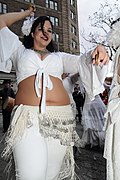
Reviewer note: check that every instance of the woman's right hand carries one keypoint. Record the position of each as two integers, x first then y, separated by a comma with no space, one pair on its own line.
32,9
8,19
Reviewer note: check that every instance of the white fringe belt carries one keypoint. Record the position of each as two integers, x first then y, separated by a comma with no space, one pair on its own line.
58,122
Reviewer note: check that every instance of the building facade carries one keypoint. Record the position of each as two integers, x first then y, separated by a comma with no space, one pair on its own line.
63,14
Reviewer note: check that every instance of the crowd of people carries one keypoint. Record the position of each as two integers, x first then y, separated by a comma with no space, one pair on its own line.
42,133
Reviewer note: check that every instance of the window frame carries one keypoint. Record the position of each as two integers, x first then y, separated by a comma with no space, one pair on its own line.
52,4
3,8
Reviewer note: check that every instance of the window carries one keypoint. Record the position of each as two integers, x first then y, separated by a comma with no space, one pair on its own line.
22,9
3,8
72,15
0,7
54,20
73,29
74,44
47,3
51,4
31,1
56,37
56,6
72,2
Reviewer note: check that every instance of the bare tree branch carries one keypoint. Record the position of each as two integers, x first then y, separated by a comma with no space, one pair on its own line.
100,23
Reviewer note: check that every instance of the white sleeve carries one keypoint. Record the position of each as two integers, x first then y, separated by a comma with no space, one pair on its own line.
92,76
70,63
9,43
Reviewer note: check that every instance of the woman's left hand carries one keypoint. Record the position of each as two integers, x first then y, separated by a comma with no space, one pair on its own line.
100,56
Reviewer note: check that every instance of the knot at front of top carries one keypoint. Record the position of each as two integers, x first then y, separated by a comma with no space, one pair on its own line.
47,83
38,81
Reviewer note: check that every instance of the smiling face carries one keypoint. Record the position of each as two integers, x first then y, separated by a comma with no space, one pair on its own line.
43,37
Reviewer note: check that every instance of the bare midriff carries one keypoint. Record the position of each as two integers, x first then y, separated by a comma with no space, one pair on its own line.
26,93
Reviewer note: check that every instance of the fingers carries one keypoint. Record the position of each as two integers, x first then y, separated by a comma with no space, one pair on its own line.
94,53
96,59
105,59
32,8
100,56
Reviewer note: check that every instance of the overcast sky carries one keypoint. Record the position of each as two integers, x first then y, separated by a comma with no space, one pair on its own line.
86,8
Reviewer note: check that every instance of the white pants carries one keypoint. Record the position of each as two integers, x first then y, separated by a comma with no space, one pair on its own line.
36,157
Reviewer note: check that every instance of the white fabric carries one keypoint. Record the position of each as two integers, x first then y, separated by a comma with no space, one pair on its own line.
93,122
57,129
9,43
47,83
37,157
91,76
69,86
27,25
112,126
27,63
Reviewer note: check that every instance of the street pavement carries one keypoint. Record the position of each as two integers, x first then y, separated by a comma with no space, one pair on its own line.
90,164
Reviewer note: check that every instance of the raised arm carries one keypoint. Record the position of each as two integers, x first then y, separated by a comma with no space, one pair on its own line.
10,18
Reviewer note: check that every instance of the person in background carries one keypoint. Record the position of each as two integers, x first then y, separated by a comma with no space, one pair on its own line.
79,99
105,94
93,122
5,93
112,115
41,134
69,81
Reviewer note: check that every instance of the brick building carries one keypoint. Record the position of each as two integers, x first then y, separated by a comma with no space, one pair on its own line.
63,14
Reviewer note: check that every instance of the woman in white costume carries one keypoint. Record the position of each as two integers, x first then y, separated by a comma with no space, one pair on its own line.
41,134
93,121
112,125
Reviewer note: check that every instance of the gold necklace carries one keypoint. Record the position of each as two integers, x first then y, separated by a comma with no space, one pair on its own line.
41,52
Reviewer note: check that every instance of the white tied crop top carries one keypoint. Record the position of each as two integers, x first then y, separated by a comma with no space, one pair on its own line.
27,63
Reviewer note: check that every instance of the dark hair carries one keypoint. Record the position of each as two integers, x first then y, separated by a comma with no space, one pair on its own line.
28,40
7,81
